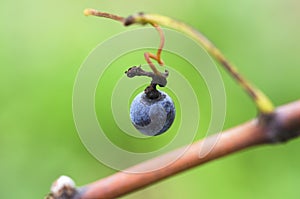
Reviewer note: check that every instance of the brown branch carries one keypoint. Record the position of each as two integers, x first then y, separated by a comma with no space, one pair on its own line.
281,126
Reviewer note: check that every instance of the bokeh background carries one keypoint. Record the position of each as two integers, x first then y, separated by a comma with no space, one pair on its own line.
43,44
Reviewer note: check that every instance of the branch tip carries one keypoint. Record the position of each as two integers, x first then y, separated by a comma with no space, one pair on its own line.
63,188
88,12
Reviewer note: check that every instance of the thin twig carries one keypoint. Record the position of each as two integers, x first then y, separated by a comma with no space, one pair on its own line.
262,102
94,12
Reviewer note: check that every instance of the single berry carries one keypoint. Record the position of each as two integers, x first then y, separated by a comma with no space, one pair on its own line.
152,116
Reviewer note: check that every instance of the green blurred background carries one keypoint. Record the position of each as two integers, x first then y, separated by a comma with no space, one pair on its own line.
43,44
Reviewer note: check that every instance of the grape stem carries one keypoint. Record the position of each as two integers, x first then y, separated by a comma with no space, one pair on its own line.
160,79
262,102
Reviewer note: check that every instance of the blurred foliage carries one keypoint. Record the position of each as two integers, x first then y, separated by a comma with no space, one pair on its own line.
43,44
